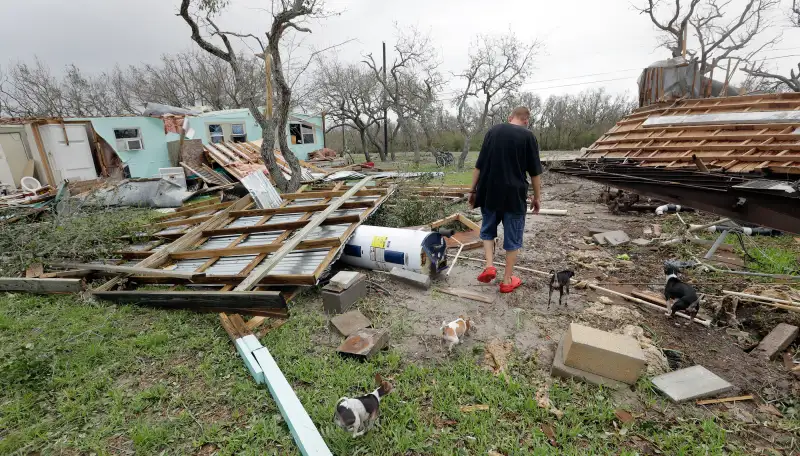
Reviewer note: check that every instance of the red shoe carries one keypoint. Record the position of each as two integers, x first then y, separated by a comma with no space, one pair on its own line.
508,288
488,274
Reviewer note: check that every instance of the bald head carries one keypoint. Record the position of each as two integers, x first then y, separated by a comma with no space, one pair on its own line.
520,116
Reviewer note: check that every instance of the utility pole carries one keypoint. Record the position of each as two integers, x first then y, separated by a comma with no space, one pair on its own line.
385,111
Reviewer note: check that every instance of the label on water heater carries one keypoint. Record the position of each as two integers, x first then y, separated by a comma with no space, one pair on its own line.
380,242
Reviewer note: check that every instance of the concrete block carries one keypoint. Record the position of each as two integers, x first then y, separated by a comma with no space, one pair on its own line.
410,277
694,382
642,242
350,322
344,280
336,302
365,342
616,238
561,370
615,356
776,341
599,238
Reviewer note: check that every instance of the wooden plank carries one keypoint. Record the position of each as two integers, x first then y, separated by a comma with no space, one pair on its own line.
198,210
40,286
468,294
37,136
251,249
189,299
131,270
332,194
263,269
345,219
466,221
725,399
301,209
181,222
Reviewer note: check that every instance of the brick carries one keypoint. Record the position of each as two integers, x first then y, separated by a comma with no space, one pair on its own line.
694,382
410,277
350,322
365,343
336,302
561,370
344,280
776,341
614,356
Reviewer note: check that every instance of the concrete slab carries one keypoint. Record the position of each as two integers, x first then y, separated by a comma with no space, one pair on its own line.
776,341
642,242
561,370
694,382
365,343
410,277
350,322
336,302
343,280
614,356
599,238
616,238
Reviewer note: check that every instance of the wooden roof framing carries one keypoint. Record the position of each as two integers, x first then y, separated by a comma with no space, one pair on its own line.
241,159
730,147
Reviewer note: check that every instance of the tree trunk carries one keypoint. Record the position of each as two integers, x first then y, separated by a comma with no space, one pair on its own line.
464,152
364,144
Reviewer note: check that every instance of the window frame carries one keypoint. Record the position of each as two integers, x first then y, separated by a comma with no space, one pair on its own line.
123,142
304,125
212,135
242,135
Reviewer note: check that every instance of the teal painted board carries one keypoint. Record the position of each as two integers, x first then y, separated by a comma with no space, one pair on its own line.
305,433
152,156
249,360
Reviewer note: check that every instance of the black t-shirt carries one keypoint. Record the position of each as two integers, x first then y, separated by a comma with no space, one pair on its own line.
508,152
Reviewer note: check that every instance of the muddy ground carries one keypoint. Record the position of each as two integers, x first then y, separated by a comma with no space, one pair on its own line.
555,242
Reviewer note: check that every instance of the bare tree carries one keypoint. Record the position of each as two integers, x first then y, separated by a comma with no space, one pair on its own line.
498,66
762,79
286,14
705,23
350,96
414,59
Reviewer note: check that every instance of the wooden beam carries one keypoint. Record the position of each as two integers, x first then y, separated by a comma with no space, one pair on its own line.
251,249
197,210
301,209
37,136
468,294
283,226
331,194
191,299
131,270
725,399
40,286
263,269
181,222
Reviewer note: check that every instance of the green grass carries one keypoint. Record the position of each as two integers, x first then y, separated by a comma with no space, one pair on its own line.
96,378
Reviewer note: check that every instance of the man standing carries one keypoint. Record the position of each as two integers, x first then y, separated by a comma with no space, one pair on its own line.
500,188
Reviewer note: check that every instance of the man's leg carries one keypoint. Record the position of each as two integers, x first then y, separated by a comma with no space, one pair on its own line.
513,228
488,234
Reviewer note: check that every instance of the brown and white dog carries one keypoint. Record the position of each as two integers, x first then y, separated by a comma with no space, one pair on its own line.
453,332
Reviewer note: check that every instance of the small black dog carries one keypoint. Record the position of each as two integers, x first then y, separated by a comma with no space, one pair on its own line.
559,280
685,296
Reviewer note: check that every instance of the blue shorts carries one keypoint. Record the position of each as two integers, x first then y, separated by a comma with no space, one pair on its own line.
513,227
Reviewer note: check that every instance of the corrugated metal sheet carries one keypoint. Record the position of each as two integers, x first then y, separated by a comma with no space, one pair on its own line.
261,238
172,230
307,201
189,265
262,191
282,218
345,212
231,265
303,262
329,231
218,242
244,221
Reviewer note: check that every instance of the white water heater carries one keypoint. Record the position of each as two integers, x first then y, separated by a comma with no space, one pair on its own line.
381,248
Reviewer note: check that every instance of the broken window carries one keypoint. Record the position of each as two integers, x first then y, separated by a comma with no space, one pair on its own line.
238,134
215,133
301,133
308,134
128,139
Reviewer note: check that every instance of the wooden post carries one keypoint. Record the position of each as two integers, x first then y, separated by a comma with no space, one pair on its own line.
268,67
727,78
64,129
324,145
37,136
685,37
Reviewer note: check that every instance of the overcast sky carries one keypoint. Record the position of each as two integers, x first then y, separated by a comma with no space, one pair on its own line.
581,37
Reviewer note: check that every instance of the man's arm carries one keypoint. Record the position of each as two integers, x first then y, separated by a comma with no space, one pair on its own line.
536,201
472,190
535,171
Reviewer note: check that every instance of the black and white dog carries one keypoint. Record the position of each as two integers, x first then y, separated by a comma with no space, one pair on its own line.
560,281
358,415
684,295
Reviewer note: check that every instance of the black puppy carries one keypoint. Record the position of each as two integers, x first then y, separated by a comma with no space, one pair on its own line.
559,280
685,296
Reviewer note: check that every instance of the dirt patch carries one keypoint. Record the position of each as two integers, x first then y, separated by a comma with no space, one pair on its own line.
120,445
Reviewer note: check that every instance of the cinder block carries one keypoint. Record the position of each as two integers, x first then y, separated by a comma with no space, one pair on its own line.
336,302
614,356
694,382
344,280
561,370
776,341
410,277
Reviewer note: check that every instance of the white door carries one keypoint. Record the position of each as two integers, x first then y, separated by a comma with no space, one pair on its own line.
71,161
